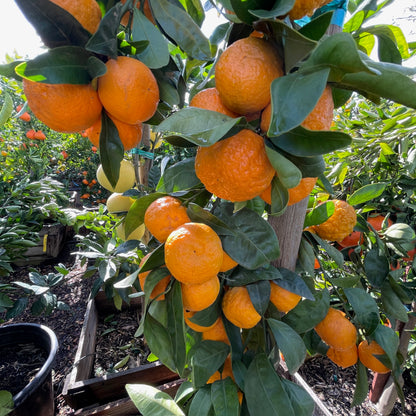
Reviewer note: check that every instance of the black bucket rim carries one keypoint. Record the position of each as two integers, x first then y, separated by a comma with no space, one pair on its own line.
45,370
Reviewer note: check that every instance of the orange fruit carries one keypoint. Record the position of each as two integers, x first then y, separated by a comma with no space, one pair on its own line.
67,108
209,99
236,168
25,116
343,358
30,134
39,135
160,286
353,239
87,12
366,354
377,222
320,118
316,264
164,215
128,90
216,332
227,371
336,330
244,73
146,10
283,299
303,8
193,253
239,309
339,224
198,328
227,263
130,134
196,297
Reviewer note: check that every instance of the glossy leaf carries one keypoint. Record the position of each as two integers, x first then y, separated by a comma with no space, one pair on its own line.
207,358
199,126
400,233
253,242
280,197
279,9
156,259
179,177
288,173
307,314
361,385
319,214
179,26
150,401
292,282
224,398
303,142
201,404
392,304
376,267
264,391
290,344
290,104
156,54
302,403
367,193
365,308
388,340
317,27
259,295
241,276
6,109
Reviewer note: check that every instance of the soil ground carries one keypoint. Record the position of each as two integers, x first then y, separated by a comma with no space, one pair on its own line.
333,385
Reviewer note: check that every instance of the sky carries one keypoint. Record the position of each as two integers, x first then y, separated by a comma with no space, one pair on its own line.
17,35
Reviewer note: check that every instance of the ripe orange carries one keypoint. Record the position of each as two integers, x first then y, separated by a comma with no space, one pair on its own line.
336,330
164,215
366,352
67,108
239,309
320,118
377,221
87,12
198,328
227,263
236,168
161,285
146,10
282,298
193,253
209,99
303,8
353,239
227,371
128,90
130,134
196,297
244,73
343,358
339,224
216,332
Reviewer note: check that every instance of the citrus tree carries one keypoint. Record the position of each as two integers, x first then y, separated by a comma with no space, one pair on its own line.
227,271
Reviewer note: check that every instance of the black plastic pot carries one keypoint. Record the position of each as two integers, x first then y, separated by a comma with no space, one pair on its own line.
37,397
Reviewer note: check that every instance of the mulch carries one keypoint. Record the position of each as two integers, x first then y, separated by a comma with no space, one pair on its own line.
333,385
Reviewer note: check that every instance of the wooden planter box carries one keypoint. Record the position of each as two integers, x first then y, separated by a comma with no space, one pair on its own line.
107,395
51,241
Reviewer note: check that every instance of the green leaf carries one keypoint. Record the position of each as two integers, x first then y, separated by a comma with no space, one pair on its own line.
179,177
152,279
292,282
303,142
208,357
180,27
279,9
367,193
6,402
302,403
253,242
361,385
199,126
6,109
127,281
201,404
290,104
5,301
64,65
365,308
152,402
319,214
288,173
317,27
400,233
392,304
176,326
111,149
264,391
259,295
307,313
225,398
388,340
290,343
242,276
156,55
280,197
376,266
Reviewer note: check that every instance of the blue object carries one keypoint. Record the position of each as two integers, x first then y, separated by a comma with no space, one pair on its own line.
143,153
